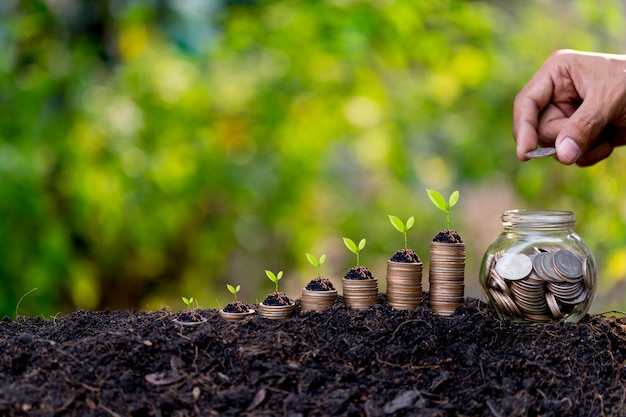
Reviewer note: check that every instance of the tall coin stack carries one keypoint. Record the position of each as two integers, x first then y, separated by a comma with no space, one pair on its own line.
446,277
404,285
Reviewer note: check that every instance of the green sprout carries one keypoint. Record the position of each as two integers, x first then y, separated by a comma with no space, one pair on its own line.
353,247
233,290
274,277
188,302
441,202
316,262
402,227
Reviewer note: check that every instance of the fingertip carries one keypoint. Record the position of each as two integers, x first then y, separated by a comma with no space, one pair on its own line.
567,151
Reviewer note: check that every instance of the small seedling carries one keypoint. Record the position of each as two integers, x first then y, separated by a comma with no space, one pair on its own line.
316,262
233,290
274,277
188,302
440,202
354,248
402,227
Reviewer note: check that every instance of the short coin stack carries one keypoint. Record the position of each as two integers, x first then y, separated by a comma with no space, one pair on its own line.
317,300
446,276
544,285
276,312
360,294
404,285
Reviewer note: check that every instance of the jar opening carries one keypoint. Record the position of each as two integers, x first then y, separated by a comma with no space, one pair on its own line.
539,219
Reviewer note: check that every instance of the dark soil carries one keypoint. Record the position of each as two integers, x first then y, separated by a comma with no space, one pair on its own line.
236,307
320,284
378,362
407,256
359,272
277,299
448,236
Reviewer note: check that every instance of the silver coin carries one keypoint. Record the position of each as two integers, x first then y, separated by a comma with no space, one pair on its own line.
540,152
514,266
568,264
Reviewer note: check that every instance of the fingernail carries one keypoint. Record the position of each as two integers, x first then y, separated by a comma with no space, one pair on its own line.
568,151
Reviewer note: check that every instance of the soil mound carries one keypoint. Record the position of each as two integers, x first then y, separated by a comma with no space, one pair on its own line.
376,362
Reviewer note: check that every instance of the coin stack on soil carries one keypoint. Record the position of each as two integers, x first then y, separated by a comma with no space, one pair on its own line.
317,300
404,285
276,312
228,316
544,285
446,277
360,294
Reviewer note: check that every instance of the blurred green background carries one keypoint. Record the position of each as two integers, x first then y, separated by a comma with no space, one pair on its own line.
153,149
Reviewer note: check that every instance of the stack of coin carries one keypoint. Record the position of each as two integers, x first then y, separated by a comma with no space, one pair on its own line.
317,300
276,312
404,285
360,294
547,284
446,277
235,316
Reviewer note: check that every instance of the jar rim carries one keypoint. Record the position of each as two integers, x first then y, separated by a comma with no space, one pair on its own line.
539,216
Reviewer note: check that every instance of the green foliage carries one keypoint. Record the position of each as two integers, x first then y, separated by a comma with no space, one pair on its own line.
274,277
316,262
146,155
352,247
440,202
402,227
233,290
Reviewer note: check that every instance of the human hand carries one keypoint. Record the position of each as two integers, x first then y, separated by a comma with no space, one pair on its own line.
575,102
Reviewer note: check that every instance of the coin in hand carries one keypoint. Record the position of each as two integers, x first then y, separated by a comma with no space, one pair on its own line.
540,152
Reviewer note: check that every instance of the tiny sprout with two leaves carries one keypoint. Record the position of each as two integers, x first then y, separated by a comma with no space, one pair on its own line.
188,302
316,262
233,290
274,277
354,248
402,227
440,202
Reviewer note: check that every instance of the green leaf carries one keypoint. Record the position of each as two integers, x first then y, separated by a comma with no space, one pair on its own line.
271,276
279,276
454,197
322,259
410,222
187,301
437,200
237,289
232,289
362,244
350,244
397,223
312,259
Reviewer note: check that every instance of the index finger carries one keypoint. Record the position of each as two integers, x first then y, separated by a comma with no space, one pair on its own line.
528,104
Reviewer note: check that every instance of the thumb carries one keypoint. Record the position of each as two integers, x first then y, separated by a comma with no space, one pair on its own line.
581,131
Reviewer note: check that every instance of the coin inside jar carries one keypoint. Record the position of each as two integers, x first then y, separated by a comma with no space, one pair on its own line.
568,264
514,266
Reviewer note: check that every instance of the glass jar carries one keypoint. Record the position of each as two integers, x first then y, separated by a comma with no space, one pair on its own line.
539,269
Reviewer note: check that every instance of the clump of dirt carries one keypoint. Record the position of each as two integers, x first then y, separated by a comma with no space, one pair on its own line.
277,299
189,316
236,307
359,272
320,284
407,256
448,236
372,363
